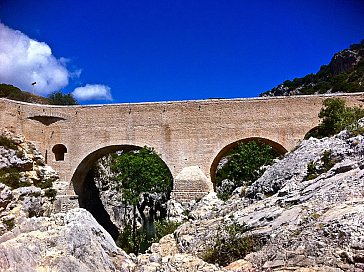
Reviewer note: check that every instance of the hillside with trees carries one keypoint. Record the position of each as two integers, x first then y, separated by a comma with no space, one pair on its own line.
55,98
344,74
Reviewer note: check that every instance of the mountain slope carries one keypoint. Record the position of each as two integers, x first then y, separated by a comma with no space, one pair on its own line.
344,74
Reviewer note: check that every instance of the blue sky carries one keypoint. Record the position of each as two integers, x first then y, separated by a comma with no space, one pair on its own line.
138,51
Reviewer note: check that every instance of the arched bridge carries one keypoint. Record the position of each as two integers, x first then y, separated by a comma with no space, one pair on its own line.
190,136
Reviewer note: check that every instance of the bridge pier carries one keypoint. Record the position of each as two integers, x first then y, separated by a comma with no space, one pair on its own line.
191,184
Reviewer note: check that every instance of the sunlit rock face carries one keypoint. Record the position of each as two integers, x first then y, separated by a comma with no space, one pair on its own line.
302,221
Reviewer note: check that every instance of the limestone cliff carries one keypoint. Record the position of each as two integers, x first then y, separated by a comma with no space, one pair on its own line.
344,74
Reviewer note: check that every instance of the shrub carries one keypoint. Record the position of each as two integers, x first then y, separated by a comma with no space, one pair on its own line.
11,177
164,227
125,239
58,98
51,194
6,142
335,117
9,223
142,242
243,166
314,169
233,246
48,183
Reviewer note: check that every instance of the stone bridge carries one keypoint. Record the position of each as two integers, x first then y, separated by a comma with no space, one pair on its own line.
190,136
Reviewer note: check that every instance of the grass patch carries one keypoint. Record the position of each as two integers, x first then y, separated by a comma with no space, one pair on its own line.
314,169
10,224
233,246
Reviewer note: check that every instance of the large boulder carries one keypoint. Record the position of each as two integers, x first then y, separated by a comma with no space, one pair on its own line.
62,242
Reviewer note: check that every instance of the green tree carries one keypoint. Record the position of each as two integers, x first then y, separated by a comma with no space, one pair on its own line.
140,173
244,165
58,98
335,117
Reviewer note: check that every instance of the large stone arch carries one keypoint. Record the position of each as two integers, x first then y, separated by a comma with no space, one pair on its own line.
85,165
274,144
89,195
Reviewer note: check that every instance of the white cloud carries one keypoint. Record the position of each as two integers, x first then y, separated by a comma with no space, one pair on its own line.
24,60
92,92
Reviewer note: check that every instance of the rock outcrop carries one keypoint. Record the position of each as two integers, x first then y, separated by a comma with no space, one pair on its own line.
62,242
33,236
343,74
27,184
316,223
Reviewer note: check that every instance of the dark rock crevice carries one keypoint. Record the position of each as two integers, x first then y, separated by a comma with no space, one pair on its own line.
89,199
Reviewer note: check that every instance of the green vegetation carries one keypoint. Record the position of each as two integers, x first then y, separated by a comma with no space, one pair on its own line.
314,169
233,246
342,74
138,174
51,194
141,242
10,224
58,98
164,227
44,184
244,165
11,92
6,142
11,177
335,117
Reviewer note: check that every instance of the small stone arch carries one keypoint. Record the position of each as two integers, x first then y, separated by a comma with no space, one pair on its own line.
59,150
276,146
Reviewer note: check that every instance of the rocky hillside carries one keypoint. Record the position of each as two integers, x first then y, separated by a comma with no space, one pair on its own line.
305,213
33,237
307,210
344,73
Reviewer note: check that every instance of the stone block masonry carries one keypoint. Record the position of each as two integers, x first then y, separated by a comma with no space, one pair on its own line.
190,136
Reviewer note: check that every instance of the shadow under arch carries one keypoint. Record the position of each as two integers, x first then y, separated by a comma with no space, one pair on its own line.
313,132
276,146
86,190
86,164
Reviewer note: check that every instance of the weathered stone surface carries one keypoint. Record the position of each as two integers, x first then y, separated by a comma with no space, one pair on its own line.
191,183
305,224
63,242
205,206
166,246
18,204
176,211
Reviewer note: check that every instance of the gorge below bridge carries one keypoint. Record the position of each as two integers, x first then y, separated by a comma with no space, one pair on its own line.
190,136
